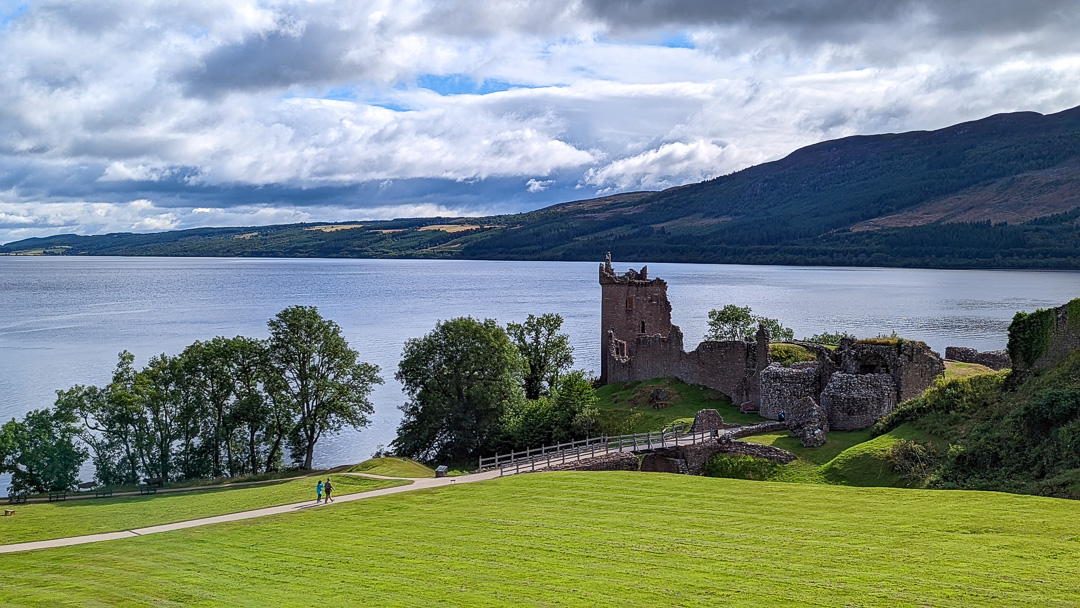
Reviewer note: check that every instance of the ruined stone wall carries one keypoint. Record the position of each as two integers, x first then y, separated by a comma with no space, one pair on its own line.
632,305
855,402
783,387
1063,340
994,359
912,365
691,459
729,367
616,461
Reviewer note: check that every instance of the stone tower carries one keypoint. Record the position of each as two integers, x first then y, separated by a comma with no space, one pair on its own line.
633,305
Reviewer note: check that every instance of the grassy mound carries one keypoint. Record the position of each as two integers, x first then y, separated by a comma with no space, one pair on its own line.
393,467
626,408
42,521
868,464
786,354
628,539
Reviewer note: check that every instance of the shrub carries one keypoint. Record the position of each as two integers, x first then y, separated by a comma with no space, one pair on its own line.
913,460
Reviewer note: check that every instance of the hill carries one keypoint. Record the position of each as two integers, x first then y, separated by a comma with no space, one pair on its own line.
1003,191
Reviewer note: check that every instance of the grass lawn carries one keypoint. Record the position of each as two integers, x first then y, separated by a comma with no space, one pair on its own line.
626,539
847,458
393,467
625,408
41,521
956,369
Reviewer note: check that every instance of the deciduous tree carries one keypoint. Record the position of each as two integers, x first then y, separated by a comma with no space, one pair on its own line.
459,379
545,353
317,375
40,451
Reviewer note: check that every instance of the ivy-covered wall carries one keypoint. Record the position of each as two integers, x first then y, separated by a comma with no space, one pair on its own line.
1041,339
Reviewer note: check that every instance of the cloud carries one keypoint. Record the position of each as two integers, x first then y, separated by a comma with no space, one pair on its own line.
670,164
271,111
535,185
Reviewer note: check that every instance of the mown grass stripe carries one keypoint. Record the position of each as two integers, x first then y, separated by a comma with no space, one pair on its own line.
575,538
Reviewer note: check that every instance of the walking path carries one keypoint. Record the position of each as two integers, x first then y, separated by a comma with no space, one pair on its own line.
417,484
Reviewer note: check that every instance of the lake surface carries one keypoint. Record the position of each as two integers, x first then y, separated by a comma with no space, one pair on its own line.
64,320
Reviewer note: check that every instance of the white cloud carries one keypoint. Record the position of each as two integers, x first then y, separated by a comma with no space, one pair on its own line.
183,100
536,185
670,164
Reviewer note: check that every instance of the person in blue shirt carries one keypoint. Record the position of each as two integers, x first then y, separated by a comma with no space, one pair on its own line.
318,492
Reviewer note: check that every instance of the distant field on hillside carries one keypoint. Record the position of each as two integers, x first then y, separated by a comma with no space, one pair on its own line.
627,539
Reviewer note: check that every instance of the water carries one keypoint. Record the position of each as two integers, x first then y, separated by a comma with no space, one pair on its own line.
63,320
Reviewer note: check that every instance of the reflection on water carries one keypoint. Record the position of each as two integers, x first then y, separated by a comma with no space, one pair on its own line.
63,320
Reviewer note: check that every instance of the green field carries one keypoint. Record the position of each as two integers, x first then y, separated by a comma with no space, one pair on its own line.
625,408
632,539
393,467
42,521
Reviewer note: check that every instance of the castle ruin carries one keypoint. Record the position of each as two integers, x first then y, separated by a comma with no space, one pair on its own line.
639,342
854,385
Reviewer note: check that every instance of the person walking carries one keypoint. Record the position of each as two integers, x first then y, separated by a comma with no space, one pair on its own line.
329,487
319,491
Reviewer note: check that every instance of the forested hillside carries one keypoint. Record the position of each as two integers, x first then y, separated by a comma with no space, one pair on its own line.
1001,192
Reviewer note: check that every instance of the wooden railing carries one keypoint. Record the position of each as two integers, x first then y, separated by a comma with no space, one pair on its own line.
543,457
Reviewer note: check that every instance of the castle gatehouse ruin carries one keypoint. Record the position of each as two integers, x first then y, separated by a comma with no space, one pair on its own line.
852,386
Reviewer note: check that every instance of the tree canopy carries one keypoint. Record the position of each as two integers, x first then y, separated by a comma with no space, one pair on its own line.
734,322
545,353
318,376
459,380
40,452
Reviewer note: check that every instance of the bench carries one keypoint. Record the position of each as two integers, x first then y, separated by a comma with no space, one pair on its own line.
147,489
154,481
17,499
103,493
58,495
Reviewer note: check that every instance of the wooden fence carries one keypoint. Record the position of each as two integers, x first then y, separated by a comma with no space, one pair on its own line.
535,459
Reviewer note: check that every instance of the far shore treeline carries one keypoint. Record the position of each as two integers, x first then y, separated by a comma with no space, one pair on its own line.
241,406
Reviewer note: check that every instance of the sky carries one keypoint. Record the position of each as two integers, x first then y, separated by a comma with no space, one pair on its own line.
159,115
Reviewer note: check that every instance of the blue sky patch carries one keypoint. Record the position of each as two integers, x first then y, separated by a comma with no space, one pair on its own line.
459,84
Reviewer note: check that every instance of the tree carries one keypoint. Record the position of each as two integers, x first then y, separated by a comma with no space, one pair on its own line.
40,451
829,338
737,323
730,323
777,332
545,353
459,380
569,412
163,397
318,376
111,426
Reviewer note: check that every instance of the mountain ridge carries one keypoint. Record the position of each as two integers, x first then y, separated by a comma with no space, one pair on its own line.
1001,191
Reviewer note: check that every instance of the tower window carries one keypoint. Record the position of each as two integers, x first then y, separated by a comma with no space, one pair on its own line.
629,303
642,327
